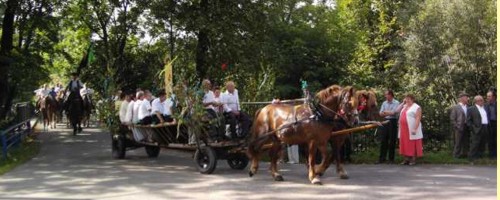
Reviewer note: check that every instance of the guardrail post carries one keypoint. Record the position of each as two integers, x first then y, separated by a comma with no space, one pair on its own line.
4,144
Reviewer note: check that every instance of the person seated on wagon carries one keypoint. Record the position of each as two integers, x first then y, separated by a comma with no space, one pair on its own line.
233,112
209,103
144,112
220,107
122,112
159,111
135,111
129,110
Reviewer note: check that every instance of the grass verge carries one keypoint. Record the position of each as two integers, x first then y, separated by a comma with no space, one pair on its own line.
17,156
439,157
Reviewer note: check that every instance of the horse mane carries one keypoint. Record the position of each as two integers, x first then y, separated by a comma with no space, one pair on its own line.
325,94
370,96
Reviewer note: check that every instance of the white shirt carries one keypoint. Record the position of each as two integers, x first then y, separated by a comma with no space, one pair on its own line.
85,91
144,109
74,85
484,116
56,89
157,106
123,111
130,112
42,92
464,107
135,116
167,106
209,98
231,101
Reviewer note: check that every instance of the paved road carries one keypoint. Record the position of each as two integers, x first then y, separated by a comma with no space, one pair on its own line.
80,167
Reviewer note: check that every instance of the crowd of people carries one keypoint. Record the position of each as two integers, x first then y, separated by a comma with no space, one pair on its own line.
74,87
474,128
144,109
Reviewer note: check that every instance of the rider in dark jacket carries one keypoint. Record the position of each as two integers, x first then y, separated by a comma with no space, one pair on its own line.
73,87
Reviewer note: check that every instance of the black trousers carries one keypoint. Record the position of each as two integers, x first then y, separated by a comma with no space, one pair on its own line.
492,139
146,120
216,125
233,120
461,147
166,118
477,142
388,140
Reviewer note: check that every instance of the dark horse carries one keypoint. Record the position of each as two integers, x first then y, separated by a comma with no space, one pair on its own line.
367,111
48,107
88,106
74,108
310,124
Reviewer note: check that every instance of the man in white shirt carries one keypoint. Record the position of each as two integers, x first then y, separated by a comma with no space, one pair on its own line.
137,104
159,112
217,95
216,129
130,110
123,108
232,111
144,112
477,121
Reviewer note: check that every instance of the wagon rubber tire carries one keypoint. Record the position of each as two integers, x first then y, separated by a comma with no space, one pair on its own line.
152,151
118,148
205,159
237,161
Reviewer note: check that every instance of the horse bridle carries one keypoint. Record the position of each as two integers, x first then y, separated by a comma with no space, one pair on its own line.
342,116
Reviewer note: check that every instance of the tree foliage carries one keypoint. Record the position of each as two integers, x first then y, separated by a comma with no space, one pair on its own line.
433,48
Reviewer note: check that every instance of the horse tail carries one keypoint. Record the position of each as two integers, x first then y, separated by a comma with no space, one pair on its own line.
256,138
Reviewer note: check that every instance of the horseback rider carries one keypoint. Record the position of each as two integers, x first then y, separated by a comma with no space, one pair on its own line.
73,87
41,93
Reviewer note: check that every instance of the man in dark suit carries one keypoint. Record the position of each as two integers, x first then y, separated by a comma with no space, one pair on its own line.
458,118
477,121
491,109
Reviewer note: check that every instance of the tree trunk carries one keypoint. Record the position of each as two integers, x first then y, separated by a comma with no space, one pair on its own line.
203,42
6,46
201,54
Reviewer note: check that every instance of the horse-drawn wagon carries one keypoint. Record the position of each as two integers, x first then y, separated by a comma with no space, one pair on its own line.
174,136
315,124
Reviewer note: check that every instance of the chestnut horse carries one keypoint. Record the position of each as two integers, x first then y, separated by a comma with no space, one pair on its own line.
310,124
48,107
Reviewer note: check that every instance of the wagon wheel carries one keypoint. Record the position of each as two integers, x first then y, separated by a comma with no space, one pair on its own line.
206,159
152,151
118,147
237,161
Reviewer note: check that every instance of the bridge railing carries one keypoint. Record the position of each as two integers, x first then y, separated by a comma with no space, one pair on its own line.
13,135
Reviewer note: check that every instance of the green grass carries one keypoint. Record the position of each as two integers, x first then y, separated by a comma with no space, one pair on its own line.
17,156
439,157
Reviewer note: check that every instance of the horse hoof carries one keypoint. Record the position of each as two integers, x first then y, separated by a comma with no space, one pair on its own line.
250,174
344,176
279,178
316,181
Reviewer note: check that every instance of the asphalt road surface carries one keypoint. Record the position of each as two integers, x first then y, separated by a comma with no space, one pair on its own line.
81,167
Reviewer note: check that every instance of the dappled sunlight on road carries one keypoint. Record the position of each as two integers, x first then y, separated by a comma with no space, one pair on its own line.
81,167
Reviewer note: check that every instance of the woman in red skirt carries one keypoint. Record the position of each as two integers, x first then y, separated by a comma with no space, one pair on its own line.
410,130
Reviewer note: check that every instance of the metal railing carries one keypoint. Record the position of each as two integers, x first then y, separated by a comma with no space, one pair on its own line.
13,135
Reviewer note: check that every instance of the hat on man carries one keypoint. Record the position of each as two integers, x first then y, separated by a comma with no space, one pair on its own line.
463,94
